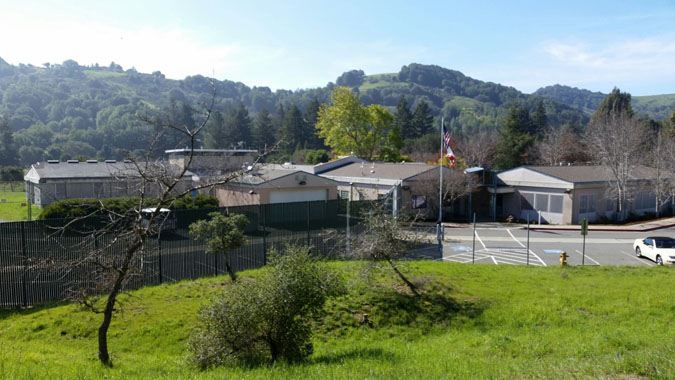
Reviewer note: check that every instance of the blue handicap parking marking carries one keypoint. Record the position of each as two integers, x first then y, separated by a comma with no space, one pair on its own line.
460,248
553,251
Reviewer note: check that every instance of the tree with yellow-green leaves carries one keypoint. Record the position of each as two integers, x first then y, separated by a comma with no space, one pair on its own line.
348,126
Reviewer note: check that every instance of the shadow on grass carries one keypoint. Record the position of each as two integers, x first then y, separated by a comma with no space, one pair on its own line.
361,353
431,308
9,312
395,308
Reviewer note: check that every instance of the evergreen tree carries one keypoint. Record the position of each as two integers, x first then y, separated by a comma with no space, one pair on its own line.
8,154
311,117
616,103
238,129
422,119
293,130
539,120
278,119
263,132
216,137
515,138
403,120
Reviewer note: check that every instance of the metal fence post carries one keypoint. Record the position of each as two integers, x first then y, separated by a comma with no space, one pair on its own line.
25,265
309,204
159,258
262,210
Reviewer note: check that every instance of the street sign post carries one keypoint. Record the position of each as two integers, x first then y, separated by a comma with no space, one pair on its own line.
584,232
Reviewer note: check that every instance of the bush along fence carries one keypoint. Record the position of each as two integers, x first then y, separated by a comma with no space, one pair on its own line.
37,258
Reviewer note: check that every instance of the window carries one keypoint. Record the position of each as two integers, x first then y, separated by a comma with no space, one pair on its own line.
419,201
611,205
541,202
556,204
587,204
343,194
645,200
526,201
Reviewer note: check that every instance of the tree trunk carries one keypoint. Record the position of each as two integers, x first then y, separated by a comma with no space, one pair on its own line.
228,267
103,354
410,285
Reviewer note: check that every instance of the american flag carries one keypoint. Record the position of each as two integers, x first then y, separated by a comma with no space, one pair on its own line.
449,154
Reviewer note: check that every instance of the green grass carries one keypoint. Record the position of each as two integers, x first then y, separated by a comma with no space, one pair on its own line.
473,322
12,209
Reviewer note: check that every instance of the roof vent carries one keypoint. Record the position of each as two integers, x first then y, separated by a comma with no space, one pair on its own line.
92,161
73,161
110,161
52,161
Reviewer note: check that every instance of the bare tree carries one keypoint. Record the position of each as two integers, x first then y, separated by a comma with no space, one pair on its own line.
618,142
661,158
456,185
386,239
158,184
478,149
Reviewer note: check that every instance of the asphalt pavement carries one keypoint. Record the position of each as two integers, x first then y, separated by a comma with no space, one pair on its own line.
502,244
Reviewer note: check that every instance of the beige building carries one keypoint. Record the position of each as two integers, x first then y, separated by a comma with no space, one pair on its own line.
275,184
411,186
568,194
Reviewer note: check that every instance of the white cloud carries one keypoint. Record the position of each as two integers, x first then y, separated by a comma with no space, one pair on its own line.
647,59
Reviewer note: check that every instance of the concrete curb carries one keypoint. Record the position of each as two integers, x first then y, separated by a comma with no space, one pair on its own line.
591,228
603,228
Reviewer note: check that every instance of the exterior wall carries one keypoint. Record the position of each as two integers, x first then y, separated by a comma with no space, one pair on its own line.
235,195
547,205
57,190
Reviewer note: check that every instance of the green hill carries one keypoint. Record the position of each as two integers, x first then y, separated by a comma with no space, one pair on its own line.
67,110
471,322
657,107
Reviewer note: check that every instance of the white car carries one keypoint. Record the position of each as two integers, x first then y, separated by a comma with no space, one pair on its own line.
661,249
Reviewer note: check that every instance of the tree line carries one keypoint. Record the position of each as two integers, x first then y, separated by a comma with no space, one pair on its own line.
70,111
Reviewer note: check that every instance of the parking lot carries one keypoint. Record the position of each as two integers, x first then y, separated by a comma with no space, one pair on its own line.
499,245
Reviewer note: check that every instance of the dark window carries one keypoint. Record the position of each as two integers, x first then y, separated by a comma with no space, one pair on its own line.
665,243
419,201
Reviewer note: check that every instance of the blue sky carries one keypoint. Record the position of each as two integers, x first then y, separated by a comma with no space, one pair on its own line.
299,44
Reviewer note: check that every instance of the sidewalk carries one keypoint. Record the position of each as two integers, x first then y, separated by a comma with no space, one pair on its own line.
642,226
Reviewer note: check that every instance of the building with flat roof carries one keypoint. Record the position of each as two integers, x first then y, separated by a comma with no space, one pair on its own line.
54,180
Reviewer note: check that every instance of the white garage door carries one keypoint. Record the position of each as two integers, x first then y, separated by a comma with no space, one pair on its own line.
298,196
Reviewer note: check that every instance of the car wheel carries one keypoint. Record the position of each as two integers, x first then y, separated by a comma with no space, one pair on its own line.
659,260
638,253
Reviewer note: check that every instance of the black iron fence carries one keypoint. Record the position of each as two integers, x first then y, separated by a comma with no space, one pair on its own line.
40,262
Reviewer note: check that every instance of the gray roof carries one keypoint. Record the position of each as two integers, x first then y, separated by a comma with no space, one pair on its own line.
81,170
262,174
590,173
382,170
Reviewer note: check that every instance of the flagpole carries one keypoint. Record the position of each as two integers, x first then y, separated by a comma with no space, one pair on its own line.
440,187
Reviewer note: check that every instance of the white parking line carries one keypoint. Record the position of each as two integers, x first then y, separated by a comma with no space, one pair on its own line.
481,242
493,259
521,244
638,259
588,257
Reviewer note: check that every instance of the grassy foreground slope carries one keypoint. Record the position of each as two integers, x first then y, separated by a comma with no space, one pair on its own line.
498,322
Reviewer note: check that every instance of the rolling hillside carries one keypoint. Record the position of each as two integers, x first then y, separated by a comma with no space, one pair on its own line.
657,107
